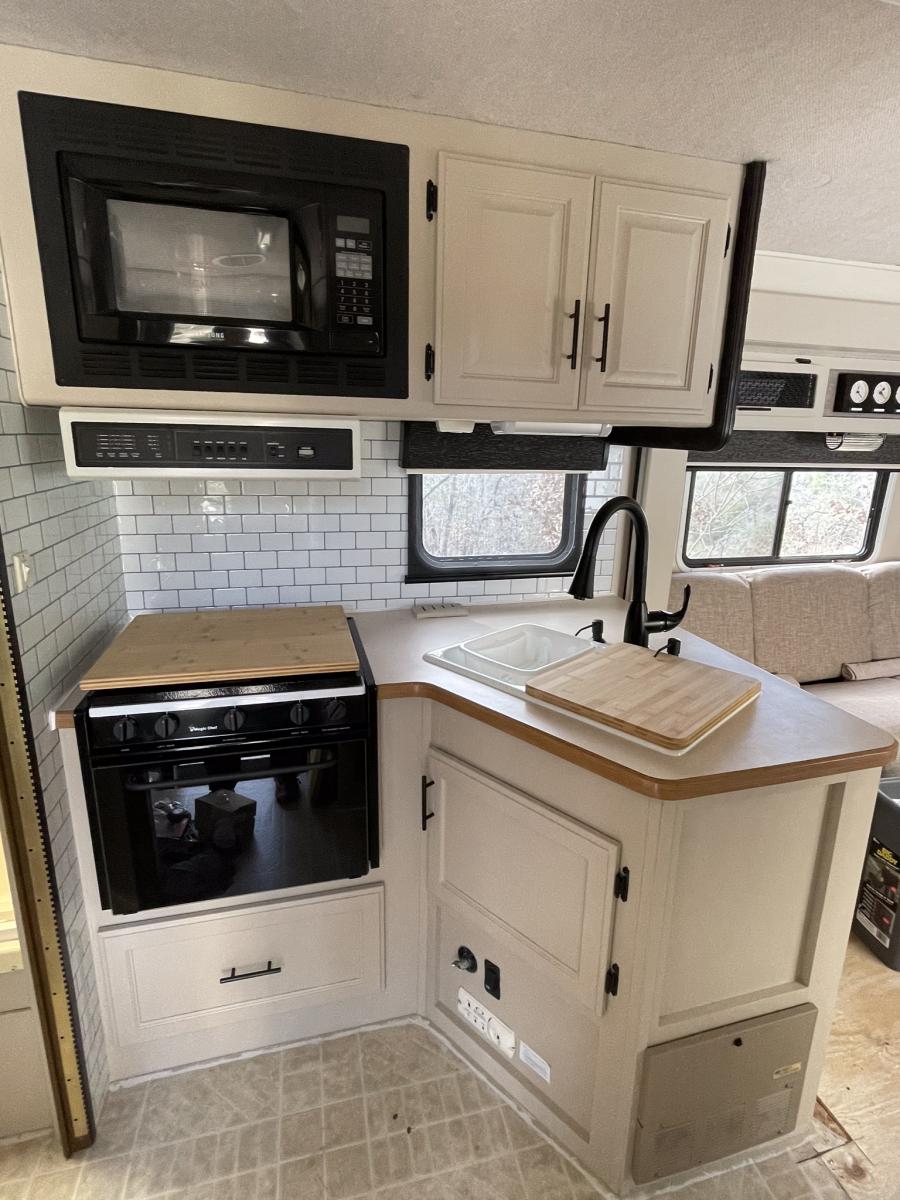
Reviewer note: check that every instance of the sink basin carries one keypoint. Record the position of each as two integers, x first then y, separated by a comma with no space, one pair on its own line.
510,657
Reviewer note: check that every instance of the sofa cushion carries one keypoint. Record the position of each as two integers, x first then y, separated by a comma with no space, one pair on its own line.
884,608
720,609
874,700
809,620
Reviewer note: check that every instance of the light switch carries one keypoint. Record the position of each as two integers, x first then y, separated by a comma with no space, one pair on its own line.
22,572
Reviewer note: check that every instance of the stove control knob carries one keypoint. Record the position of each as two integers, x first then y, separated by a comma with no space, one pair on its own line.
334,711
125,729
165,725
300,713
234,720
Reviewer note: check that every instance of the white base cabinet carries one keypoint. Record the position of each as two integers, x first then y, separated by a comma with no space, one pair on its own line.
190,974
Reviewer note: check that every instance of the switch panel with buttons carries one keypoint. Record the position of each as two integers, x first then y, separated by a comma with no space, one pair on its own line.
491,1028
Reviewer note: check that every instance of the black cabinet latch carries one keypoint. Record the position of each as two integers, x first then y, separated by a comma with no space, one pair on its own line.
611,986
622,884
429,361
426,815
431,194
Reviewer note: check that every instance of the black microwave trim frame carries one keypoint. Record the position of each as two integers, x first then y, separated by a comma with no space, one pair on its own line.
154,139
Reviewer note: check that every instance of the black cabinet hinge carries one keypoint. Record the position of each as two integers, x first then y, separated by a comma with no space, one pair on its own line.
727,240
431,197
711,373
426,815
611,986
623,882
429,361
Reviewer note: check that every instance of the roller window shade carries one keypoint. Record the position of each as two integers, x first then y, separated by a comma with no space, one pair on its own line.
424,448
778,448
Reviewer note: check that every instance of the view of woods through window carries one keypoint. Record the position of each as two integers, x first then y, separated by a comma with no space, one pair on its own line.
742,516
470,515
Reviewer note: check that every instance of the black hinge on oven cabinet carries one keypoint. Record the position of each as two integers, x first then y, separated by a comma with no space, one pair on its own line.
611,986
429,361
426,815
621,885
727,240
430,199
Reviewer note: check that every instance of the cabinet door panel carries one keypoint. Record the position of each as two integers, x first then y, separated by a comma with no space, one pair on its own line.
539,880
659,266
512,261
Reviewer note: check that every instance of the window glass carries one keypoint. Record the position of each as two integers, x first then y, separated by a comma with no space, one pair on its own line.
771,515
828,513
734,514
466,516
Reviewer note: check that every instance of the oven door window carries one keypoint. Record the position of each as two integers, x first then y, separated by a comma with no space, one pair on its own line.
200,262
230,824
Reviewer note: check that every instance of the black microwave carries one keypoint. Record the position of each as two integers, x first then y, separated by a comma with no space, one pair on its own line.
192,253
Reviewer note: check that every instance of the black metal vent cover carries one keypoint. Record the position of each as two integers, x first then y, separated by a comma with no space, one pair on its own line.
55,125
771,389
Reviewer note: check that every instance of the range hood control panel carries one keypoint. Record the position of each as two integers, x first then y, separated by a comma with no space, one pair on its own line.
117,445
865,394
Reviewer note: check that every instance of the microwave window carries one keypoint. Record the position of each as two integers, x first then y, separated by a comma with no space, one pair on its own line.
198,262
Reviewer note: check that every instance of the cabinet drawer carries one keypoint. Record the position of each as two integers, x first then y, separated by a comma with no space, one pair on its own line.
541,881
317,950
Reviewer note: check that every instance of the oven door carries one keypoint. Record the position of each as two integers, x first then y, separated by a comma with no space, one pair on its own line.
197,824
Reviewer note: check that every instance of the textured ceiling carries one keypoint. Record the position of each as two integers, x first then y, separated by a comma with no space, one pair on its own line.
810,85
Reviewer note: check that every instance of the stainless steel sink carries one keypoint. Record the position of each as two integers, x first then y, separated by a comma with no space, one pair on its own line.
508,658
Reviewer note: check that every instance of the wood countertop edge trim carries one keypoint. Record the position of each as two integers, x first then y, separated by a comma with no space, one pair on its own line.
657,789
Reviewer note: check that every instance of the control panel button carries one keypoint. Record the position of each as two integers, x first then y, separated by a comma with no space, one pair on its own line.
165,726
234,720
300,713
125,729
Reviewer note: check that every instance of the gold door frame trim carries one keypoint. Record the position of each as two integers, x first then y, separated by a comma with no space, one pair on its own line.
41,933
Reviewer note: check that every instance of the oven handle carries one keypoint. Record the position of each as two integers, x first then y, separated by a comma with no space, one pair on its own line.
203,780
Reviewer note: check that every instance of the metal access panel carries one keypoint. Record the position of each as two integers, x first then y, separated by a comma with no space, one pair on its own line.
716,1093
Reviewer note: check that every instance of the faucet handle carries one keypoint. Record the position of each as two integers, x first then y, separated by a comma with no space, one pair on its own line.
660,620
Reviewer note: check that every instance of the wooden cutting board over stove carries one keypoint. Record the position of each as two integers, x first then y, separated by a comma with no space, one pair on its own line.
159,649
667,701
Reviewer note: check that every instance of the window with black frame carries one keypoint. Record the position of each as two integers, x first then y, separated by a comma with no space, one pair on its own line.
747,516
484,525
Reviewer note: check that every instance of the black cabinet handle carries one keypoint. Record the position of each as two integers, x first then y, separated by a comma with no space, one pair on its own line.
233,976
426,815
575,318
604,321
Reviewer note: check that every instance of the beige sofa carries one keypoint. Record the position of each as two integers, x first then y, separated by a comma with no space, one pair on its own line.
807,622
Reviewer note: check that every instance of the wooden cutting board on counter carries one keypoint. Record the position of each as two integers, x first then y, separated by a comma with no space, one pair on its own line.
666,701
158,649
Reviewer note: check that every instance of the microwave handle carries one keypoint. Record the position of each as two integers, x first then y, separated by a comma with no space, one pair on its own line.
204,780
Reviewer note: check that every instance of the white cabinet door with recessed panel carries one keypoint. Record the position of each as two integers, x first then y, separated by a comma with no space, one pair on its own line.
653,332
513,255
537,880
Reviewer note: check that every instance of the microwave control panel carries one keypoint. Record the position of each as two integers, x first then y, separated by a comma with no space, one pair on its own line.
865,394
120,449
357,316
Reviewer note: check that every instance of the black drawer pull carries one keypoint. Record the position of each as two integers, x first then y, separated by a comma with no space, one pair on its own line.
604,321
233,977
575,318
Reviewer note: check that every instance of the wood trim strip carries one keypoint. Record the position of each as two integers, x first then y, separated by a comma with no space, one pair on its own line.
41,932
636,781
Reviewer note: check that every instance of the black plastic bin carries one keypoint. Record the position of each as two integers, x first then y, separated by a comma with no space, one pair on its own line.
876,921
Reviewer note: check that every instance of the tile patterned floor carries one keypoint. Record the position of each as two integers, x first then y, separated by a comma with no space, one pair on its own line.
388,1114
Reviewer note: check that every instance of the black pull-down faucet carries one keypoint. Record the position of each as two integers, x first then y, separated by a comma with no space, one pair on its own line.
639,622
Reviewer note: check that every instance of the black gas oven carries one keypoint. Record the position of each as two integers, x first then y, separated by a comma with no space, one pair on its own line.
196,793
185,252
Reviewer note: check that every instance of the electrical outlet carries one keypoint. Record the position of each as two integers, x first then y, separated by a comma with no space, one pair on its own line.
491,1028
438,608
22,571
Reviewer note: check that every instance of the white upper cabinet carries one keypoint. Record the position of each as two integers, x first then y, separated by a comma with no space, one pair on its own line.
654,327
513,256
